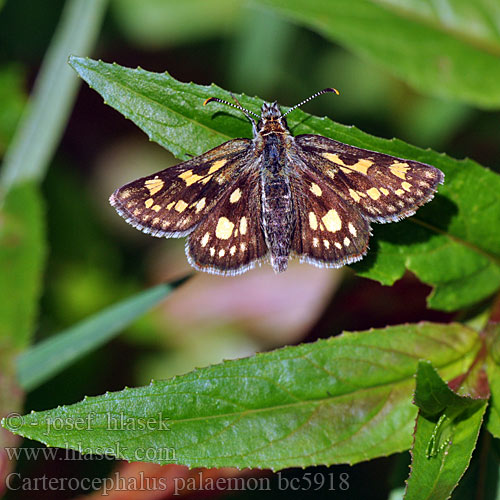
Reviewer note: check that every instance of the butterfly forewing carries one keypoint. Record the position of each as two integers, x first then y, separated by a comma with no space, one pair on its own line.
329,232
383,188
172,202
231,241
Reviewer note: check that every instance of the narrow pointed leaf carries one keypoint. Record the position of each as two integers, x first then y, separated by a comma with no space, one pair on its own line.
51,356
426,44
449,243
447,428
345,399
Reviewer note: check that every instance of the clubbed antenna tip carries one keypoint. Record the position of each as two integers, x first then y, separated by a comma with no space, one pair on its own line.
206,101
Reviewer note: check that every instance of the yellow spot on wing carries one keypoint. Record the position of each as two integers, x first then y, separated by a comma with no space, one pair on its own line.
232,250
315,189
373,193
205,239
326,243
206,179
243,225
315,242
332,221
352,229
399,169
338,245
189,178
149,203
170,205
200,205
156,208
335,158
399,192
384,191
235,196
222,252
313,221
216,166
154,185
212,251
180,206
406,186
224,228
347,241
361,166
355,196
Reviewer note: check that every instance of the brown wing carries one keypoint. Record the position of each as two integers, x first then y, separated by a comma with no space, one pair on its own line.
329,231
231,240
383,188
172,202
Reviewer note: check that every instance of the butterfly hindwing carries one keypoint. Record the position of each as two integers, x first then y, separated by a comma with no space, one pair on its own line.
172,202
329,232
231,240
383,188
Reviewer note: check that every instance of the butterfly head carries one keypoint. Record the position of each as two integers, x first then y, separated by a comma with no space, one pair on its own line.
271,119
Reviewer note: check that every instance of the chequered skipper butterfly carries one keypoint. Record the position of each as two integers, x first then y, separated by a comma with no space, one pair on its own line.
276,196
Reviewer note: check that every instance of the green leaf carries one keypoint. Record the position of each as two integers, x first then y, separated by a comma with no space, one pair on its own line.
449,243
493,369
446,433
51,356
345,399
426,44
22,256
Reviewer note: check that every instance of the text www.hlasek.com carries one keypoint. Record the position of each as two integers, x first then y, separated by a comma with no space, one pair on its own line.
139,454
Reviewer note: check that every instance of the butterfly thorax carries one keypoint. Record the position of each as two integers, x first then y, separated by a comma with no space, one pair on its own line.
273,140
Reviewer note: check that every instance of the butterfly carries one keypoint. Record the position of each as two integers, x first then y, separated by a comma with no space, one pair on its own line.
276,196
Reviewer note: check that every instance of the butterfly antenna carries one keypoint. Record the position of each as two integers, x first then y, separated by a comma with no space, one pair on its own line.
237,106
324,91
